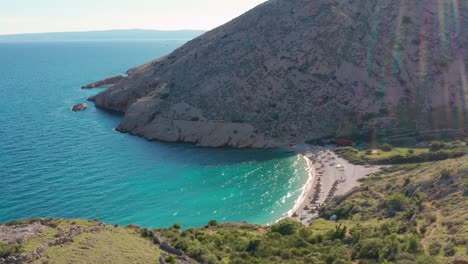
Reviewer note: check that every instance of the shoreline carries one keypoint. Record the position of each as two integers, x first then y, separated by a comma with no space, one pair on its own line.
328,176
306,188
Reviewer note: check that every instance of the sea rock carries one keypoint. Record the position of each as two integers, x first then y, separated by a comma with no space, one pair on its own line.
289,71
79,107
106,82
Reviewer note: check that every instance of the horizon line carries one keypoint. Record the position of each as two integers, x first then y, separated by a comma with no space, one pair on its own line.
101,30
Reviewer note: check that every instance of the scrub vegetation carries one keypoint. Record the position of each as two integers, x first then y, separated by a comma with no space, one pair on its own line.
386,154
412,213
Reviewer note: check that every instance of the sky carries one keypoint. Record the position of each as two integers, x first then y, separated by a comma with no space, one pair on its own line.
38,16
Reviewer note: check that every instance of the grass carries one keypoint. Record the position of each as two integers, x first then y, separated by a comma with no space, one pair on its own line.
112,245
399,155
383,155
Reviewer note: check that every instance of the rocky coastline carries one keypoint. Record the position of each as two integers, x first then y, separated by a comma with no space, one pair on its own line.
106,82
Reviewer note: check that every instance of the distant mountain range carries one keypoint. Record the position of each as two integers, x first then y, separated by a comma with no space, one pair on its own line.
131,34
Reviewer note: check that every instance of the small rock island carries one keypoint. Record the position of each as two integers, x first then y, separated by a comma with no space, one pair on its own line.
79,107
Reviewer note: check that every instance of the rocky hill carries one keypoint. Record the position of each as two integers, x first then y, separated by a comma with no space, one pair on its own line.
289,71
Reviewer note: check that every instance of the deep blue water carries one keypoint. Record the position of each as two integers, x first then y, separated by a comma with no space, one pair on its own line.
56,163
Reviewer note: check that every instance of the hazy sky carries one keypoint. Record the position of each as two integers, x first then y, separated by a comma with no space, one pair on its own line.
33,16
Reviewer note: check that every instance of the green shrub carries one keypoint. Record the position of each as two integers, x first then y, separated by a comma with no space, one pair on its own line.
425,260
405,257
368,248
253,245
351,154
436,145
286,226
434,248
412,244
145,232
177,226
183,244
446,175
386,147
397,203
171,259
449,250
212,223
7,250
338,233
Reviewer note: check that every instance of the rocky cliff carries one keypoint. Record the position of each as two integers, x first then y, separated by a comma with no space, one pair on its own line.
295,70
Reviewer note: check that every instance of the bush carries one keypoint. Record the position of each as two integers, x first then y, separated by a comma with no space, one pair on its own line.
145,232
171,259
436,145
286,226
446,175
7,250
351,154
386,147
412,244
410,151
425,260
183,245
449,250
434,248
338,233
177,226
368,248
253,245
212,223
455,144
397,203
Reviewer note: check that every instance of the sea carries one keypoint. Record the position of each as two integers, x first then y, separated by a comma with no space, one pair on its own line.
61,164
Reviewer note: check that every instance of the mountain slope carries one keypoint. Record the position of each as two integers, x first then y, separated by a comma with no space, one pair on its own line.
290,71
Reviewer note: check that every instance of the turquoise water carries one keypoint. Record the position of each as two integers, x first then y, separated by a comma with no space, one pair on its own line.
56,163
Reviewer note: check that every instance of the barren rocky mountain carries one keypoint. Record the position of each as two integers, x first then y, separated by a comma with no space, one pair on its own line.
295,70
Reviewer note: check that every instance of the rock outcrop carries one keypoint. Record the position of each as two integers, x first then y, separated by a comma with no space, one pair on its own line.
295,70
79,107
106,82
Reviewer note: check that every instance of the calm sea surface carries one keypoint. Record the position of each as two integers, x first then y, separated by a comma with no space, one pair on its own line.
56,163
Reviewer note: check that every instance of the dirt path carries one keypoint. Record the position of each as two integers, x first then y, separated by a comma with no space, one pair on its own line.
435,225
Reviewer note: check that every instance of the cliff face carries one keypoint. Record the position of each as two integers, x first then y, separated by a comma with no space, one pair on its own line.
294,70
